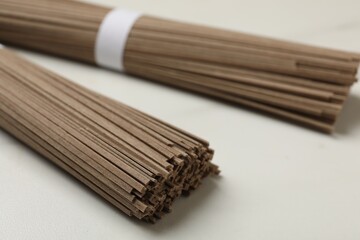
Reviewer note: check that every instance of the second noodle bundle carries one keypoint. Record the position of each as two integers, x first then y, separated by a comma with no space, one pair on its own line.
138,163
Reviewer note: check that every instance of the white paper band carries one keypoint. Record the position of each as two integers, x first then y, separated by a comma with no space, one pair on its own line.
112,37
1,46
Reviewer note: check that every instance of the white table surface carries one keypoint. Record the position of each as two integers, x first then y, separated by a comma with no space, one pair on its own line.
279,181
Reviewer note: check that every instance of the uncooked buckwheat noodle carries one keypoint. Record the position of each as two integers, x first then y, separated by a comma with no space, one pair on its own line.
136,162
300,83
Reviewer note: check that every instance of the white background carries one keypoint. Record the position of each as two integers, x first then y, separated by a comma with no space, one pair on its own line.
279,181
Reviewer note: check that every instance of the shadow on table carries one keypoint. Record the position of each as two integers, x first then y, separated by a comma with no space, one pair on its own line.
349,119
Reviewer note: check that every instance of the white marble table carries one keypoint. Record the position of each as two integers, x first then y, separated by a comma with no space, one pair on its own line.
280,181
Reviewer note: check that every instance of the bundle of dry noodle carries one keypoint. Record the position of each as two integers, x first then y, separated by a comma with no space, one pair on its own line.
136,162
304,84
